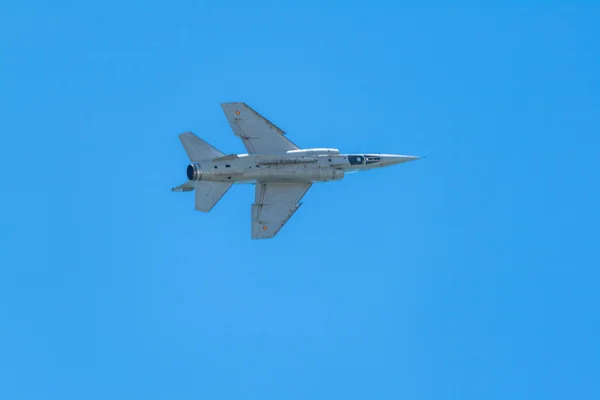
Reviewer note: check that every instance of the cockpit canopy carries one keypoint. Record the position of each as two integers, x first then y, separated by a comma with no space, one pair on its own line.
362,159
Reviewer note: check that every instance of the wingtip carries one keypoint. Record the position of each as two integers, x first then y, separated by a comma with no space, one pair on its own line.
185,134
231,103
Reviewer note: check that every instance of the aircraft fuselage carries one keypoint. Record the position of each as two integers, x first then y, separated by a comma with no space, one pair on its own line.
306,165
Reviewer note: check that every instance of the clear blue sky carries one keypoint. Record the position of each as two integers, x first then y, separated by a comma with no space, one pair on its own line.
472,274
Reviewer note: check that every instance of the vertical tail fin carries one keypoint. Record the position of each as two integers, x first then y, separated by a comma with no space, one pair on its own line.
197,149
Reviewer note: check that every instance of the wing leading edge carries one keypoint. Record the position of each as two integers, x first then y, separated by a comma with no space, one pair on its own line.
274,204
258,134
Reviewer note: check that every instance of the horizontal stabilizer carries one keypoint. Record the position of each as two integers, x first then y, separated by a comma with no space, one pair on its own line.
197,149
209,193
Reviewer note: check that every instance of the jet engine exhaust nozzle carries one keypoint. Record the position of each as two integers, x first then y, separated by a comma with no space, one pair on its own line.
194,172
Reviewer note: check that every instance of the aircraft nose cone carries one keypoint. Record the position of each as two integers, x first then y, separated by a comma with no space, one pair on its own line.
392,159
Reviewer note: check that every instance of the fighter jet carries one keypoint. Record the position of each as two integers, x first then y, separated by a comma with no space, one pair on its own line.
281,171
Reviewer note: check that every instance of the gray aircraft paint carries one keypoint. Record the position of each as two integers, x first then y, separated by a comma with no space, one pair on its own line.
282,171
